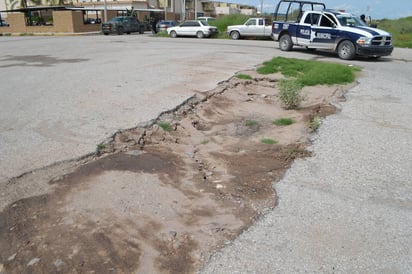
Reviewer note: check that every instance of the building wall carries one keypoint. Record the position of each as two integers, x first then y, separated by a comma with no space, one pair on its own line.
63,22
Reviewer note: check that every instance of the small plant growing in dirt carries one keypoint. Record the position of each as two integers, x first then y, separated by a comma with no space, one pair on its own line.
244,76
314,124
165,126
289,93
162,33
250,123
283,122
100,147
205,141
268,141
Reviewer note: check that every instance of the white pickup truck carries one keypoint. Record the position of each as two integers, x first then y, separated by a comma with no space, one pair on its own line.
310,25
256,27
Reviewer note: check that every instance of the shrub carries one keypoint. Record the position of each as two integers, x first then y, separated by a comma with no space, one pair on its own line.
289,93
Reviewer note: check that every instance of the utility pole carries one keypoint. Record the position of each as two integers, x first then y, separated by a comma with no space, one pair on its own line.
105,10
184,10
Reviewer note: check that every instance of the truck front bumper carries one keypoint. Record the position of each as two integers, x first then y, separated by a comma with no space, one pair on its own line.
374,50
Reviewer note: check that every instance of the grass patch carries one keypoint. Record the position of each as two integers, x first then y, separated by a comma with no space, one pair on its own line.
205,141
162,33
401,30
244,76
165,126
310,73
269,141
250,123
283,122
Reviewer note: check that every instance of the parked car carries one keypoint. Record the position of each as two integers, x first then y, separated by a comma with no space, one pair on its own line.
163,25
195,28
123,24
3,23
205,18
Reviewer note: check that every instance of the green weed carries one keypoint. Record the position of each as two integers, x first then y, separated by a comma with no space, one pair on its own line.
244,76
100,147
283,122
250,123
314,124
165,126
268,141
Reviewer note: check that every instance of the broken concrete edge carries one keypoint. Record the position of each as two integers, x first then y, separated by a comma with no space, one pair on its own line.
191,102
72,163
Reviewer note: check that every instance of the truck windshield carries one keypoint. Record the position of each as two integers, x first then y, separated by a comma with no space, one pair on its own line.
350,21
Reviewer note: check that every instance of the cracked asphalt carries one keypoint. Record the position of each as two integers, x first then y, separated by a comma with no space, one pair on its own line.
347,209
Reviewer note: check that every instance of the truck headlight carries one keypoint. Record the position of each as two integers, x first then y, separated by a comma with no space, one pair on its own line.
364,41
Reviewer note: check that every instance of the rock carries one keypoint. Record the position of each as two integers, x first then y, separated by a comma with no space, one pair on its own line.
58,263
12,257
219,186
33,261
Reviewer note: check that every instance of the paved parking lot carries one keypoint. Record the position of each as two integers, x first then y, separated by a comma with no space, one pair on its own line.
347,209
61,96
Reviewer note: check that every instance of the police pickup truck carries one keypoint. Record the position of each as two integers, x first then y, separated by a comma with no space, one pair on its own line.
311,25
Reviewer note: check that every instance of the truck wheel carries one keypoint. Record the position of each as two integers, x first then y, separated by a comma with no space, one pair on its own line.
346,50
141,30
120,30
235,35
285,42
199,34
173,34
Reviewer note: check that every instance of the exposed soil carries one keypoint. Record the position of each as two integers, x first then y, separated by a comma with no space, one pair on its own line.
158,201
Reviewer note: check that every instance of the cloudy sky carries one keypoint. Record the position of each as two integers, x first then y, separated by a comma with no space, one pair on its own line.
377,9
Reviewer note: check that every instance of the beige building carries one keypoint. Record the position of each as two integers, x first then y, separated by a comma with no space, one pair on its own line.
85,15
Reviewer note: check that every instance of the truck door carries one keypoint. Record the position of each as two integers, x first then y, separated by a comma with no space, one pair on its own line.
260,27
251,27
324,34
303,35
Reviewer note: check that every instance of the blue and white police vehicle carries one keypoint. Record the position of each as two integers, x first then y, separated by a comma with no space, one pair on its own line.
310,25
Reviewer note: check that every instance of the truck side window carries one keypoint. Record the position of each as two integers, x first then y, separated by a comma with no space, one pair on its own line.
251,22
325,21
312,19
261,22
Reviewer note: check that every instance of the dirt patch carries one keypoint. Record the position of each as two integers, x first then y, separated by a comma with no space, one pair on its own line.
158,201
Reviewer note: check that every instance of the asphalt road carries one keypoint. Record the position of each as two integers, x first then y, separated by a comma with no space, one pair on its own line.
62,96
347,209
